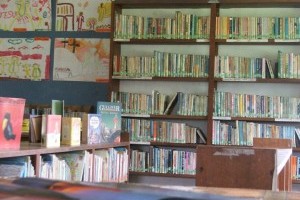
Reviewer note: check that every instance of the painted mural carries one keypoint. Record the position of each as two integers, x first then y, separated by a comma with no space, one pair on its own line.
81,59
83,15
25,15
25,58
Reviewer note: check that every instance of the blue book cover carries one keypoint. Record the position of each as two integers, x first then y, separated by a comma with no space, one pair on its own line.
111,120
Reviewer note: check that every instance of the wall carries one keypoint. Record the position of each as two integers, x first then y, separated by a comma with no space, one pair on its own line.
42,92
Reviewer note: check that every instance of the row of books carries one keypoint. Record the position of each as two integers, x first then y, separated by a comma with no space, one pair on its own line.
139,161
285,28
288,65
242,133
181,26
158,103
54,129
190,26
242,67
110,165
163,64
11,168
173,161
145,130
228,104
161,160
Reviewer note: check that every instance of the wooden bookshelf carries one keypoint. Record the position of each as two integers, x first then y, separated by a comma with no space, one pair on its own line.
32,149
215,46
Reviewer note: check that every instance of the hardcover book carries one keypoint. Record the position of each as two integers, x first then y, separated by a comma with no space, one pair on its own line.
91,129
11,117
111,121
70,133
51,130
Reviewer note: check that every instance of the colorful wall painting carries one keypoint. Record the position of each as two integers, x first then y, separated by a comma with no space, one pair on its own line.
25,58
81,59
25,15
83,15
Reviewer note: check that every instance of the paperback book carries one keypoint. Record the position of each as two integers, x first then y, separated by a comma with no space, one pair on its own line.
70,133
51,130
111,121
91,129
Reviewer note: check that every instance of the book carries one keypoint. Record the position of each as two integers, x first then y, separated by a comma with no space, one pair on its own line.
91,129
270,69
35,128
202,139
57,107
71,129
111,121
51,130
171,104
75,162
11,118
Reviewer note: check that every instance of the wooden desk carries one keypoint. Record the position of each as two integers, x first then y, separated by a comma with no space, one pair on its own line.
239,167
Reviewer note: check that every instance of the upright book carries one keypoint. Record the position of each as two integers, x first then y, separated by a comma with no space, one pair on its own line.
111,120
91,129
70,132
11,118
51,130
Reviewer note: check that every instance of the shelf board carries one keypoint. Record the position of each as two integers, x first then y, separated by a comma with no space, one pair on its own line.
28,149
182,117
139,143
136,115
256,42
169,144
259,80
261,3
161,4
161,174
162,41
156,78
258,119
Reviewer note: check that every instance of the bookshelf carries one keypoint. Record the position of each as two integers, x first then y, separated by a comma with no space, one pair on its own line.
266,45
37,153
137,48
230,88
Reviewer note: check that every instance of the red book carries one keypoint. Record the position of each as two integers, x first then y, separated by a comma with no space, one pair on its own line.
11,118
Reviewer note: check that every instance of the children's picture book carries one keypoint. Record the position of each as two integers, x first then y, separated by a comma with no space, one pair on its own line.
91,129
71,129
25,58
111,120
25,15
51,130
75,161
83,15
81,59
11,118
